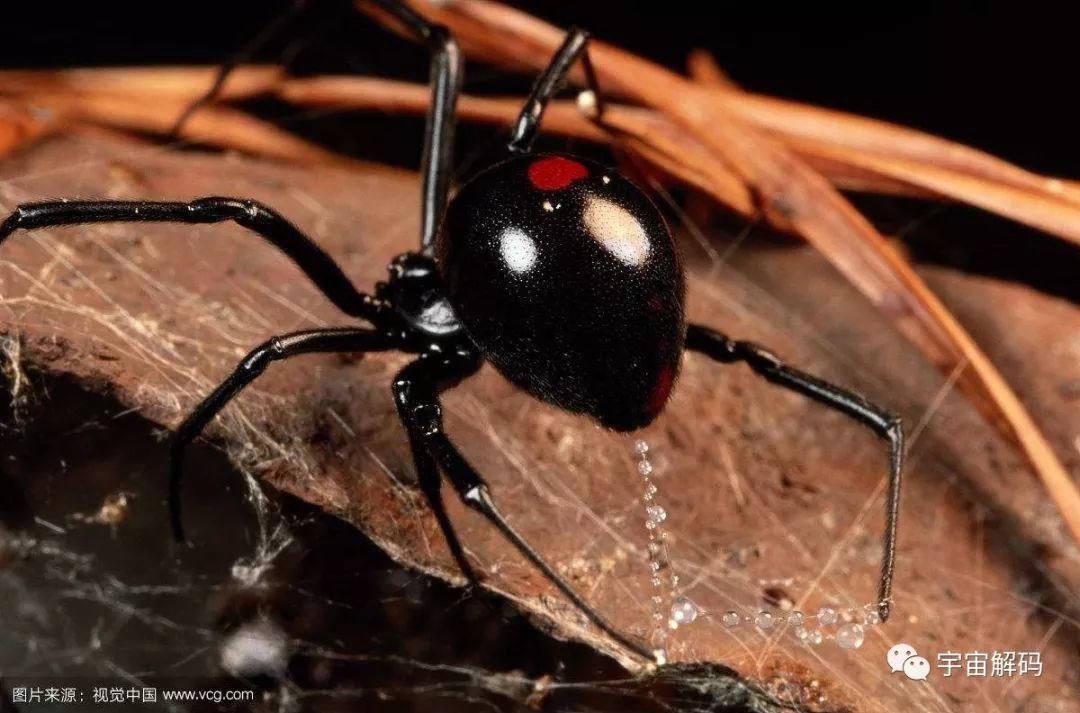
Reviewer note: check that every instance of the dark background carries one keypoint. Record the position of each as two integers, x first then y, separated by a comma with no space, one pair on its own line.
996,75
999,75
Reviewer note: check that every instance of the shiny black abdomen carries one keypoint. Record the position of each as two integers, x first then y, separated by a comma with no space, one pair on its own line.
566,277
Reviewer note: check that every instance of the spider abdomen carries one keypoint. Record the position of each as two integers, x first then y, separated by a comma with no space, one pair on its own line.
565,275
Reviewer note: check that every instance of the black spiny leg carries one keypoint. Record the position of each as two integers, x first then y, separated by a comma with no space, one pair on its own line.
422,418
412,388
885,424
528,123
445,77
256,217
266,34
312,341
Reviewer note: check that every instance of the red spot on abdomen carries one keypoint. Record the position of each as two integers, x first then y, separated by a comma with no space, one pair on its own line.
555,172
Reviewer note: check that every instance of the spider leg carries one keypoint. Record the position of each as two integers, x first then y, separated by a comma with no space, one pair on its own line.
408,391
884,423
312,341
256,217
446,77
274,28
528,123
417,387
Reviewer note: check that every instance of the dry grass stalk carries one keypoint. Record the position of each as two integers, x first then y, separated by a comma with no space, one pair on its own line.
218,126
643,131
20,126
703,68
244,82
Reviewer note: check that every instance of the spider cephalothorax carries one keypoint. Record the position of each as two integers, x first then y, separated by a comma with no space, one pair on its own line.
555,269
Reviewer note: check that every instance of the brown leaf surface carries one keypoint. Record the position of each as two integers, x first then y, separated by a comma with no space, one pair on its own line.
763,489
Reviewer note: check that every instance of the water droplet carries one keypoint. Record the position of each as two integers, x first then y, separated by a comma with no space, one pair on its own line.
656,514
731,619
656,581
871,616
795,619
849,636
683,611
801,633
764,620
641,447
654,548
826,616
814,637
644,467
650,489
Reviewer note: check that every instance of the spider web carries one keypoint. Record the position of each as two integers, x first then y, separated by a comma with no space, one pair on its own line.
765,493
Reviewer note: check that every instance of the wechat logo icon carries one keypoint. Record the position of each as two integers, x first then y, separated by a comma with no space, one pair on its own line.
904,657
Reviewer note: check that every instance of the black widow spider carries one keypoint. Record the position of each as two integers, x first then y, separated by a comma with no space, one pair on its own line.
555,269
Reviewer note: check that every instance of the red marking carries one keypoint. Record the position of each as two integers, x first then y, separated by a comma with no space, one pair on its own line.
658,396
555,172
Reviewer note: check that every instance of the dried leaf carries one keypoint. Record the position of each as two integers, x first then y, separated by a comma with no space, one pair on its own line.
157,314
